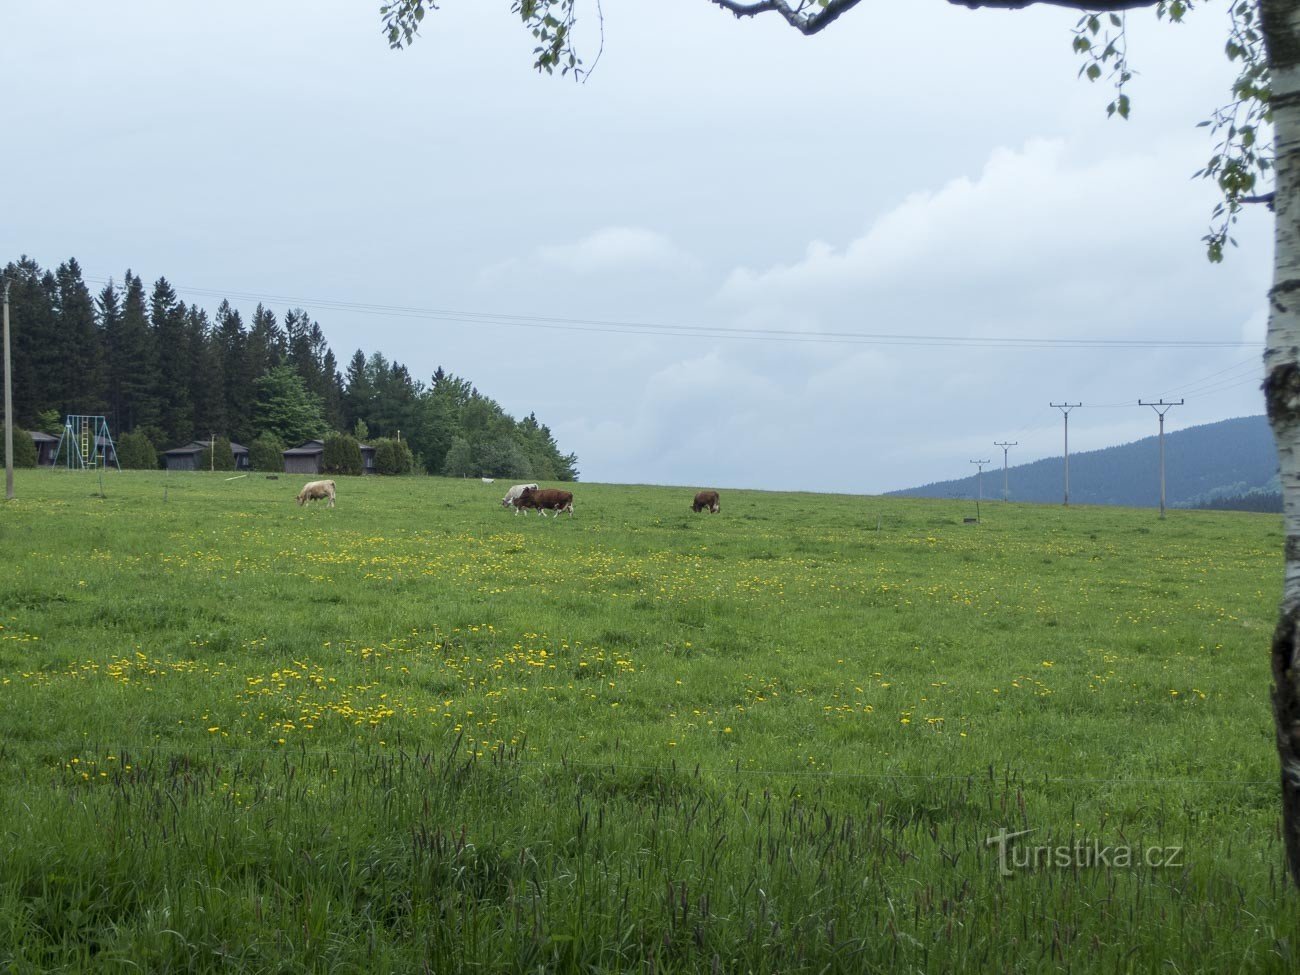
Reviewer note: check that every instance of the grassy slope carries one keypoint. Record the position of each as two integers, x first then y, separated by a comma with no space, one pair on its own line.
418,729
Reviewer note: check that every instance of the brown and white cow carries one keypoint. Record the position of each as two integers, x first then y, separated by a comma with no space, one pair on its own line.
512,496
546,499
316,491
706,499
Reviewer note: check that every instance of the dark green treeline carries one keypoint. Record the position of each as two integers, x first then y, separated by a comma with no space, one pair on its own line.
154,365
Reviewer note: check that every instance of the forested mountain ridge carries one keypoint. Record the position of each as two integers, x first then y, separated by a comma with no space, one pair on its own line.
154,365
1228,464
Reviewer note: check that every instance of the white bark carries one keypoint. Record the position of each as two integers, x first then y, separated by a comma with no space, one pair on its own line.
1281,20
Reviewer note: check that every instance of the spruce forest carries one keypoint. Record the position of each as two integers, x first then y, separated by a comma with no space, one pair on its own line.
168,372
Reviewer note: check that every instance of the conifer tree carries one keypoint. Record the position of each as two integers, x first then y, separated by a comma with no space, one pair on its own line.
266,346
237,376
167,318
76,384
138,364
109,308
207,380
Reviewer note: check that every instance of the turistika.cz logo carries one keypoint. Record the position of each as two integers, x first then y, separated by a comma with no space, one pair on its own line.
1083,853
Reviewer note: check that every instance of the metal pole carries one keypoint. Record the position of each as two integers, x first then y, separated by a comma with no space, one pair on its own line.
1005,445
9,406
1161,408
1162,465
1065,408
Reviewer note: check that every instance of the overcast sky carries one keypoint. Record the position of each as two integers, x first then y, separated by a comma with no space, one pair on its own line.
933,172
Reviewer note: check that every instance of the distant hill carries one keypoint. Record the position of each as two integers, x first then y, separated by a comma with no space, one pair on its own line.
1230,464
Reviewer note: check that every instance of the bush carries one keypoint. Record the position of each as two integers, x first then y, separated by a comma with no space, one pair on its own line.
224,459
266,453
342,455
136,452
24,449
503,458
393,457
460,459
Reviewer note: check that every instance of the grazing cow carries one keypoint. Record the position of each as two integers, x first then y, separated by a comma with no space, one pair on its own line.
316,491
512,497
547,499
487,480
706,499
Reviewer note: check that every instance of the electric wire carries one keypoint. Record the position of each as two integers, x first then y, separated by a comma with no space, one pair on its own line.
617,327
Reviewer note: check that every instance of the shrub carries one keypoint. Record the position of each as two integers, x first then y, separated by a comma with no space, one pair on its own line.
460,459
393,457
503,458
24,449
342,455
224,459
136,452
266,453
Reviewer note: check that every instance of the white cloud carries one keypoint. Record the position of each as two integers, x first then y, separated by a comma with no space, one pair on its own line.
607,251
613,249
1036,244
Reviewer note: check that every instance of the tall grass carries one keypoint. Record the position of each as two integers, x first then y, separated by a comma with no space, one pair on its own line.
417,733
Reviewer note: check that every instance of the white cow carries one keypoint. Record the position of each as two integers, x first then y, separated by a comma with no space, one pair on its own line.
512,496
316,491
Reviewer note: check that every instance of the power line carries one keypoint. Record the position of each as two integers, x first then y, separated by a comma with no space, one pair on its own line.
616,327
1233,382
1253,362
1206,383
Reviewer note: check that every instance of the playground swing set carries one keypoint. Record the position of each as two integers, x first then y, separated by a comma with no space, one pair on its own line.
86,444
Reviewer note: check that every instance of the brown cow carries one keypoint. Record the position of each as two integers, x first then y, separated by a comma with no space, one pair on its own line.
706,499
546,499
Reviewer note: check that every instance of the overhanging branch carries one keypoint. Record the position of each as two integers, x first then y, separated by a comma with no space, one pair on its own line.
797,16
1088,6
809,17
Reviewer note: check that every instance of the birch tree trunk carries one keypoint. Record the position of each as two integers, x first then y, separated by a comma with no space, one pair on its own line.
1281,23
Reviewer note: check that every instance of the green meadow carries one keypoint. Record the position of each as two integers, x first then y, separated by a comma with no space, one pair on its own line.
419,733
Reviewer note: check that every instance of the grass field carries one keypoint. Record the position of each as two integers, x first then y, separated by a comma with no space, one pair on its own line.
417,733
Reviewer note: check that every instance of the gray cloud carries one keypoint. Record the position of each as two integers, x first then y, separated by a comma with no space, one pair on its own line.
939,173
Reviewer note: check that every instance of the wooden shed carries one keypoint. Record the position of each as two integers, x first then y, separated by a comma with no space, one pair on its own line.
45,447
306,458
186,458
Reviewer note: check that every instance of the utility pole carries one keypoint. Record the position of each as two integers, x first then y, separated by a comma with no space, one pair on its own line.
980,481
9,406
1005,445
1065,409
212,452
1161,408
